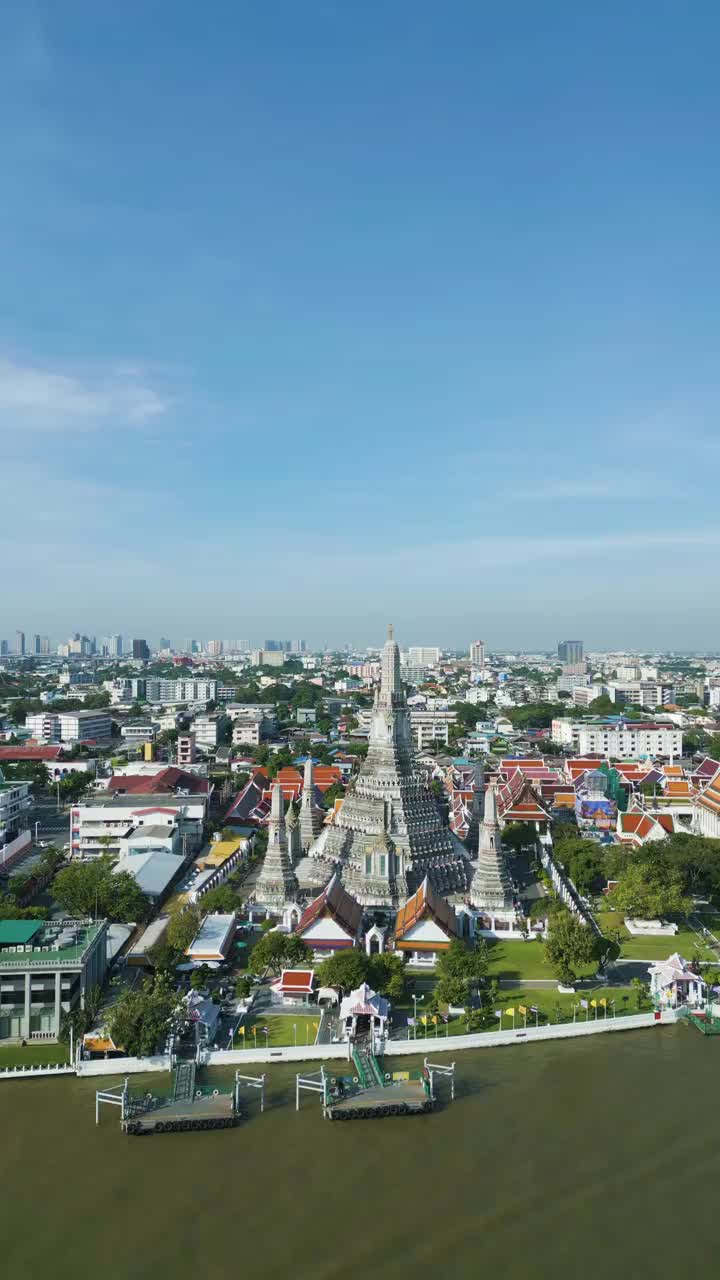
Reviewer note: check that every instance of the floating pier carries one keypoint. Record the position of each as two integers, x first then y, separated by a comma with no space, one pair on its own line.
189,1106
373,1093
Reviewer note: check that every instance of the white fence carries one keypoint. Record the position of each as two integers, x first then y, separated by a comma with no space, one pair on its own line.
288,1053
52,1069
124,1066
556,1031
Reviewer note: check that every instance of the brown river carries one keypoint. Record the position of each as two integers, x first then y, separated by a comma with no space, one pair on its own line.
586,1158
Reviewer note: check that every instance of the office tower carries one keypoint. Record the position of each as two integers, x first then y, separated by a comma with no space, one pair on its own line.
214,648
4,648
140,650
164,643
277,646
477,653
44,645
20,643
298,646
570,652
35,646
115,646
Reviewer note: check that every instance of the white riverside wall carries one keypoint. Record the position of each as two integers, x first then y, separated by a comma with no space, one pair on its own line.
125,1066
394,1048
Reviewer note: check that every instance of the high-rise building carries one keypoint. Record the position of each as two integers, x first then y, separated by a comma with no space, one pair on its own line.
35,646
477,653
44,645
140,650
570,652
214,648
423,655
165,643
298,646
115,646
277,646
4,648
20,643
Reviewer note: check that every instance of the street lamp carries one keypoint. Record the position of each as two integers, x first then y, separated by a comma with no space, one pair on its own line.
415,1005
295,1033
37,824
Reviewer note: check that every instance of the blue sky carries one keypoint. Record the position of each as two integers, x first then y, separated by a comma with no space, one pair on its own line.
318,314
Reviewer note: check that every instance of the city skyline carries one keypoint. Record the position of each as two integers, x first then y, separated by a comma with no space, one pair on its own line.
388,312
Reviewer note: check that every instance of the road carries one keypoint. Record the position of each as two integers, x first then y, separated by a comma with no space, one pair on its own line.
54,827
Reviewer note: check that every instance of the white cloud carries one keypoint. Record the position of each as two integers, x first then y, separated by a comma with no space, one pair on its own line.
607,489
34,398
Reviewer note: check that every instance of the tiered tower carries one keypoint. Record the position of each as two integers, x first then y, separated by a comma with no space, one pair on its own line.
311,818
388,834
491,887
276,883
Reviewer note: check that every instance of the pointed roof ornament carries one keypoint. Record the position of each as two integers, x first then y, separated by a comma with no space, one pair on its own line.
390,631
277,806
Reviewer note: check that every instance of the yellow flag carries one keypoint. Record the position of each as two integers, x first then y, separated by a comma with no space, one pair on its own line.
510,1013
603,1002
593,1004
522,1009
316,1025
241,1031
423,1019
434,1018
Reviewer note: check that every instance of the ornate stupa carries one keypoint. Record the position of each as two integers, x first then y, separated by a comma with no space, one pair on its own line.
311,816
388,834
276,883
491,887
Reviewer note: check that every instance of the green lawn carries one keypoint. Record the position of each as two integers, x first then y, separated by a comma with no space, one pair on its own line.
523,960
547,1003
280,1031
33,1055
685,941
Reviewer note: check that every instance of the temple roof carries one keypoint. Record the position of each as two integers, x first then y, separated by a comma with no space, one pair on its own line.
335,902
426,902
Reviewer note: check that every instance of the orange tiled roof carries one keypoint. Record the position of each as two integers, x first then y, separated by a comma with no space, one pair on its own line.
426,902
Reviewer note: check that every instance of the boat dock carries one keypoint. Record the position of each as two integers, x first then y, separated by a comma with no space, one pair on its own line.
189,1104
395,1098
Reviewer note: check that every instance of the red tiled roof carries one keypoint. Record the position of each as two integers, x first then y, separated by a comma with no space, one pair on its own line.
29,753
159,784
295,980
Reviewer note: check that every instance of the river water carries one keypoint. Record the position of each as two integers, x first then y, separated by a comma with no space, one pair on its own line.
594,1157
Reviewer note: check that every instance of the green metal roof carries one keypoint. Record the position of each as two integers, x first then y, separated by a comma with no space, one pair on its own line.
13,932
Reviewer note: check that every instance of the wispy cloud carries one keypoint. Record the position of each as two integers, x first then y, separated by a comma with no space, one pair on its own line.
37,398
606,489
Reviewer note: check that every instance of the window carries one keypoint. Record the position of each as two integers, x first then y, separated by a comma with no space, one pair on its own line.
383,864
368,864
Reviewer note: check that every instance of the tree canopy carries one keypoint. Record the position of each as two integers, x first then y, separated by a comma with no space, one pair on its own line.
91,889
276,951
651,889
458,969
140,1020
570,945
385,973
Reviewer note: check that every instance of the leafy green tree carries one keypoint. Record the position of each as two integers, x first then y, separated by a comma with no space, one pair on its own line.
570,945
276,951
458,969
650,890
140,1020
183,927
388,975
346,970
224,898
91,889
333,793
